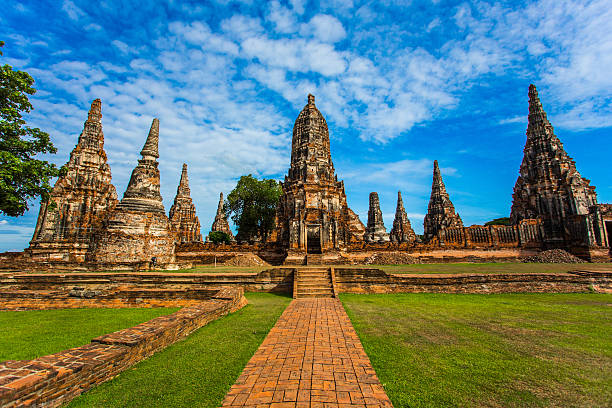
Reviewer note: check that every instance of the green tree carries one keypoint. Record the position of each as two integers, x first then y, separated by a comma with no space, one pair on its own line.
252,206
219,237
499,221
22,177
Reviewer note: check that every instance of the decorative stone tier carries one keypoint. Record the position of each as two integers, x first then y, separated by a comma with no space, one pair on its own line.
56,379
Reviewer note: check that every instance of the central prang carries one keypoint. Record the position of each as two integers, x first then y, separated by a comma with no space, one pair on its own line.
313,215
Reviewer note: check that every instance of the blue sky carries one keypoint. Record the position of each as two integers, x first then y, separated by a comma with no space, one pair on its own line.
401,83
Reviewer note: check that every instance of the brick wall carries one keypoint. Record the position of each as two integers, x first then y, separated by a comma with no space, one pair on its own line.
53,380
364,280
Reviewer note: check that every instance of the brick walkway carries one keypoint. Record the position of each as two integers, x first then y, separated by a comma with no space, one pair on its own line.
312,357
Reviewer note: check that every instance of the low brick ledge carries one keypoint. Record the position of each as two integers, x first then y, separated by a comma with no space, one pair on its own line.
53,380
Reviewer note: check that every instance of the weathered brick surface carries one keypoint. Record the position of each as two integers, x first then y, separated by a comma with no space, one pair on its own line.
363,280
312,357
56,379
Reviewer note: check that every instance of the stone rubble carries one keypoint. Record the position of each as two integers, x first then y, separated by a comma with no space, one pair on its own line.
553,256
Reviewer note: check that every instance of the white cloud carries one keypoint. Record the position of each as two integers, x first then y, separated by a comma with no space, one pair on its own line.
325,28
298,5
284,20
121,46
73,11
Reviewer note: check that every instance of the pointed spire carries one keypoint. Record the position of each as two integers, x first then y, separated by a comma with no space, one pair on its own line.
375,230
183,187
92,136
220,223
150,147
440,211
400,204
537,116
437,185
220,212
402,229
311,99
95,111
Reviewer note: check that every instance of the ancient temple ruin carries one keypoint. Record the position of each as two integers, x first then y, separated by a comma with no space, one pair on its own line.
402,231
80,200
313,215
550,188
220,223
183,216
375,229
138,229
440,211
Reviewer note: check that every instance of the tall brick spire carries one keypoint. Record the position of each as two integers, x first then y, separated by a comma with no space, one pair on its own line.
143,190
402,230
183,212
549,186
313,215
220,223
151,147
441,211
375,230
82,197
92,136
139,229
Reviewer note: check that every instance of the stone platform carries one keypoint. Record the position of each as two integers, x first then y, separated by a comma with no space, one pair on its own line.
313,358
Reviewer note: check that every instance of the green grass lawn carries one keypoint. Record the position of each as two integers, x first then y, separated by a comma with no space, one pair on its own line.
500,267
505,350
35,333
197,371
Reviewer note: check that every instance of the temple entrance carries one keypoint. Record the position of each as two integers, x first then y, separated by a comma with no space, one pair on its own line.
608,225
313,239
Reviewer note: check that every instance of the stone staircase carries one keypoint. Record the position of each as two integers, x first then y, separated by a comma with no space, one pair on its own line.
314,259
313,282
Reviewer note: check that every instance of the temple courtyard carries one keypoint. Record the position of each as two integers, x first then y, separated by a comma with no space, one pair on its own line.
343,350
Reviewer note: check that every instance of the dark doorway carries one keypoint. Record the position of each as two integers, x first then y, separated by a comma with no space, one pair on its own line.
609,233
313,240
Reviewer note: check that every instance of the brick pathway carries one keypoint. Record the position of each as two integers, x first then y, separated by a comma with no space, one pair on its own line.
312,357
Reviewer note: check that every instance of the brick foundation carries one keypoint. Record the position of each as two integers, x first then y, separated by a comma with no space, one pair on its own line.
53,380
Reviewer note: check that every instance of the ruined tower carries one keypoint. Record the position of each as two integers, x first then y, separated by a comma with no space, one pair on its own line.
80,200
402,231
375,230
313,215
183,214
440,212
220,223
550,188
138,229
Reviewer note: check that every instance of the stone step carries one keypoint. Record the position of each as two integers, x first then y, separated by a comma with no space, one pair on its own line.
314,295
315,292
326,283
